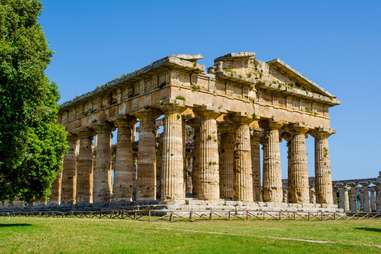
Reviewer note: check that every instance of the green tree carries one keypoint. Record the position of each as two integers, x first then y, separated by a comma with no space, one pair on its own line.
32,143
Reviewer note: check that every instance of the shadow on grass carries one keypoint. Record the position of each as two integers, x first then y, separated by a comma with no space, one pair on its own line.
15,225
369,229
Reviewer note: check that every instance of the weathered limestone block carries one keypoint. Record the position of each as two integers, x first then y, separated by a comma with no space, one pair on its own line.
124,162
101,184
69,173
243,176
208,164
84,168
172,185
298,186
146,182
256,165
344,198
323,176
227,166
55,197
272,177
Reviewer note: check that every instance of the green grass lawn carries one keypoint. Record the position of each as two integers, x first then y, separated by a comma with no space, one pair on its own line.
74,235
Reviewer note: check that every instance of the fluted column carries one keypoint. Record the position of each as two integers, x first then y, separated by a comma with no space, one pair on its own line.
101,185
312,195
366,198
243,175
344,198
172,181
272,176
146,182
334,196
285,196
323,175
196,162
372,199
124,175
256,165
353,199
298,186
227,166
55,197
84,168
69,173
209,161
378,197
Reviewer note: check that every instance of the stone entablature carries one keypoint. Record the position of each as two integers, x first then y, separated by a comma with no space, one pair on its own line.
198,134
237,83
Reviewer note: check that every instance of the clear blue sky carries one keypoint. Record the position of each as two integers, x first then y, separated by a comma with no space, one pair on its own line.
335,43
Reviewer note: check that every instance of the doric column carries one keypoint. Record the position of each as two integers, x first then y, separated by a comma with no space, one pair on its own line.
323,175
285,196
124,175
196,161
298,186
372,199
366,198
312,195
159,164
378,197
256,164
272,176
243,175
69,173
172,178
353,199
84,168
55,197
227,166
209,161
146,182
334,196
344,198
101,185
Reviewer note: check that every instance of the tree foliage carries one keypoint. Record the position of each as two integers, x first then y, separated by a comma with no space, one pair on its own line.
32,143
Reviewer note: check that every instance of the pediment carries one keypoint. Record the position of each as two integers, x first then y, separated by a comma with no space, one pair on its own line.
280,72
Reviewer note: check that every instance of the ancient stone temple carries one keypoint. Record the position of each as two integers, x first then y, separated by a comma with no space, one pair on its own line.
183,135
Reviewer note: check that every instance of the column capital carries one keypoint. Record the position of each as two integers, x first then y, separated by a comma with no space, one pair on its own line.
322,132
206,114
147,112
298,128
127,121
103,127
172,108
85,132
275,125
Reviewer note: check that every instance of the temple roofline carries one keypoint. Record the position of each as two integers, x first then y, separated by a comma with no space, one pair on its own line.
282,65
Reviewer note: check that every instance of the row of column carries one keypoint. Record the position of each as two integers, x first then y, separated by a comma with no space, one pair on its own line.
360,198
227,169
